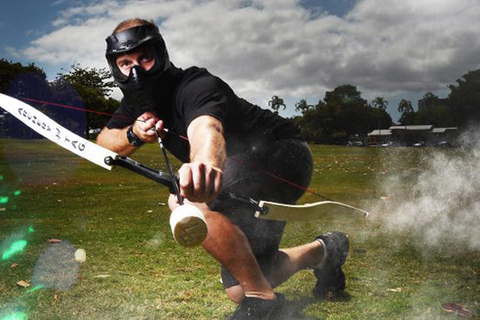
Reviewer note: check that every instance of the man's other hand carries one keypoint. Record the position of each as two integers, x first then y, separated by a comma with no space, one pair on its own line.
199,182
144,124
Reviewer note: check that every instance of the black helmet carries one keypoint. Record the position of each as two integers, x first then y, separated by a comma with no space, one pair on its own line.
134,38
140,84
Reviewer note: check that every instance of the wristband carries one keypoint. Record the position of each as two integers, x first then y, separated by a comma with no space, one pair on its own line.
133,139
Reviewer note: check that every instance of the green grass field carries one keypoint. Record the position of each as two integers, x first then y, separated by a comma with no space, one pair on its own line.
135,270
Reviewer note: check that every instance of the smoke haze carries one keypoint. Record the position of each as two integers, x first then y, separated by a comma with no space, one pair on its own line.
438,199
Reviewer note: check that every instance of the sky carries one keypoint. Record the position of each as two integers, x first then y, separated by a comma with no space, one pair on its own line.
295,49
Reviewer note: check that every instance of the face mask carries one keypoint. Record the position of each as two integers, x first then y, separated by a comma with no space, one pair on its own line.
143,87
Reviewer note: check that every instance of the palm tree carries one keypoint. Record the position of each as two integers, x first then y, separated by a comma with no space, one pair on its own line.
406,109
276,102
405,106
380,103
302,106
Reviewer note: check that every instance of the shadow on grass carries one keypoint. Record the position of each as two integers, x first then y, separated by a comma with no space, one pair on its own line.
294,310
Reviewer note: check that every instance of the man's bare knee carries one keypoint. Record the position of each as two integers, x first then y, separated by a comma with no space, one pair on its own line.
235,293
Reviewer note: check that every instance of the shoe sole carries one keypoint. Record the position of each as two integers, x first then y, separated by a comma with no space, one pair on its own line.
188,224
331,280
339,256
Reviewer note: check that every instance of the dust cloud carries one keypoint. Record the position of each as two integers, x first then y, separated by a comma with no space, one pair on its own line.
437,198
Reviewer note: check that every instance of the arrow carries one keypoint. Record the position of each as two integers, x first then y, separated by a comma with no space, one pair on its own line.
107,159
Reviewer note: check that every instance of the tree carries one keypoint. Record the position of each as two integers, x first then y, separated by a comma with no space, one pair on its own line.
311,123
406,109
380,103
302,106
346,114
429,99
341,114
10,70
378,118
24,82
437,115
93,87
275,103
97,79
405,106
344,94
464,99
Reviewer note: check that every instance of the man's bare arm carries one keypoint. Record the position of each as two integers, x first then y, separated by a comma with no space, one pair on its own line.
200,180
115,140
207,143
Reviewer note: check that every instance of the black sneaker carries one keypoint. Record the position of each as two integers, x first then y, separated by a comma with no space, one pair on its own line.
259,309
330,277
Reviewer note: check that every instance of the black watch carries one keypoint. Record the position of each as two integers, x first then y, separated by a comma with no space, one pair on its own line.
133,139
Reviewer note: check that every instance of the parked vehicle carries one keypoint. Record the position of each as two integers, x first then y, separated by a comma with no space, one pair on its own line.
420,144
355,143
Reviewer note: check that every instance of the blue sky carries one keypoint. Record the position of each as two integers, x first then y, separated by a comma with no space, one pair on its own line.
24,21
296,49
336,7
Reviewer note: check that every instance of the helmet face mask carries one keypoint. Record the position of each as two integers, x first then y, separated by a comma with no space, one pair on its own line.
131,39
139,83
140,53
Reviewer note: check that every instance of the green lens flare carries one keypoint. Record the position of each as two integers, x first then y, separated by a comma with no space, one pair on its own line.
17,193
17,246
40,286
30,229
1,177
16,316
3,200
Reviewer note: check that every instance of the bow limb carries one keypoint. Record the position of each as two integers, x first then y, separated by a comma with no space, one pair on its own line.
84,148
286,212
54,132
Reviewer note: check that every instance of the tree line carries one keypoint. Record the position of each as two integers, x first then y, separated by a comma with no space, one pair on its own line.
78,99
461,108
341,114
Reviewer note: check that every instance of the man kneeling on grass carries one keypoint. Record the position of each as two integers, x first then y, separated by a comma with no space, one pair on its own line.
231,145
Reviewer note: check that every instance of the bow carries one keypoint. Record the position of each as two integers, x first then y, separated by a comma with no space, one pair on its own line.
107,159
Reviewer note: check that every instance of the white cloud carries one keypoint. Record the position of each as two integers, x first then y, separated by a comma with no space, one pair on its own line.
413,44
266,47
58,2
71,44
12,52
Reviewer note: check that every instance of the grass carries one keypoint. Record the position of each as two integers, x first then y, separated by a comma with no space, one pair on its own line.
134,270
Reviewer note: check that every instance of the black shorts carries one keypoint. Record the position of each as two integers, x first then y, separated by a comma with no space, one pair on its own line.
272,172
